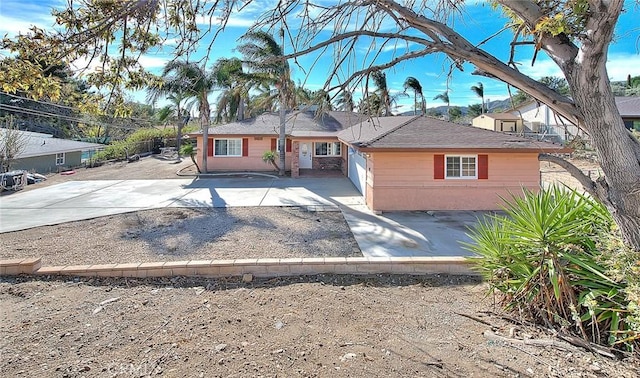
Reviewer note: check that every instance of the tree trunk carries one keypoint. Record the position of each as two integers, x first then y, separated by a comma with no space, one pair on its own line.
618,151
179,133
282,136
204,122
241,110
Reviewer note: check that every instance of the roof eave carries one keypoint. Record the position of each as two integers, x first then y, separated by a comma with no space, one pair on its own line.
559,150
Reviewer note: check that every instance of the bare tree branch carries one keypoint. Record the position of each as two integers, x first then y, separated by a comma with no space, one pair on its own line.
594,188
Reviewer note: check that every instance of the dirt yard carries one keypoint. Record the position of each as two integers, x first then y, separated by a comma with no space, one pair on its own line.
317,326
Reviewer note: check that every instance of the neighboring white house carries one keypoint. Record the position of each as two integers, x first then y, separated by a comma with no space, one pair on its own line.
539,119
43,153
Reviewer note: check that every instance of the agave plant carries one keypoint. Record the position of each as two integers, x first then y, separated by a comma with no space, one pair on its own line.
541,257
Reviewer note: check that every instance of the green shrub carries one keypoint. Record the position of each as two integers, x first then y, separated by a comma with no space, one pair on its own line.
138,142
542,258
270,157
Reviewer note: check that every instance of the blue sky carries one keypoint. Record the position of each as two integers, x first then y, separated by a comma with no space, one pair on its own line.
477,23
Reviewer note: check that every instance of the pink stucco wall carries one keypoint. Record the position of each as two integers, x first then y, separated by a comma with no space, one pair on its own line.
253,162
404,181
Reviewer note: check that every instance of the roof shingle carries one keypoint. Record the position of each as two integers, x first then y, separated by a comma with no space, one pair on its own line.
628,106
38,144
298,123
430,133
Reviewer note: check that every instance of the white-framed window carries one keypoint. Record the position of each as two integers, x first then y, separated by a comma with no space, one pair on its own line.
60,158
327,148
227,147
465,167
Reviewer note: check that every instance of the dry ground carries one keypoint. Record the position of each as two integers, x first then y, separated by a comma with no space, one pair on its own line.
318,326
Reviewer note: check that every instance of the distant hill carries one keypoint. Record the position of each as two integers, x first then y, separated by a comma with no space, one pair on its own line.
493,106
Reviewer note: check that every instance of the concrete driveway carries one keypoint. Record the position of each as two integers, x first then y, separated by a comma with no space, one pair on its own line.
390,234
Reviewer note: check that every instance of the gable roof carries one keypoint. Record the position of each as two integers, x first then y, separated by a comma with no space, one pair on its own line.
38,144
629,107
431,133
298,123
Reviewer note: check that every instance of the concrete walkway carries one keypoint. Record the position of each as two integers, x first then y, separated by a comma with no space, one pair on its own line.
392,234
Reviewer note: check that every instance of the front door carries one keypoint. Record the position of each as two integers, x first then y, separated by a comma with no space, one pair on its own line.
305,155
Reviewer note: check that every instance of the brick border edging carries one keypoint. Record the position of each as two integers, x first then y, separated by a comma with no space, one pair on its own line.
264,267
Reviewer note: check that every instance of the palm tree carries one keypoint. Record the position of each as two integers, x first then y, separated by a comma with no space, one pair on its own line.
230,78
370,104
479,91
173,110
445,98
263,100
414,84
322,99
380,80
344,101
264,58
191,81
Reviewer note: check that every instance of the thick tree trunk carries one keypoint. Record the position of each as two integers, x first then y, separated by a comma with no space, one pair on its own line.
618,152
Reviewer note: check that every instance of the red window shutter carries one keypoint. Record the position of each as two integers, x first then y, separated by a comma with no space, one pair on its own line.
438,167
483,167
245,146
273,144
288,145
210,148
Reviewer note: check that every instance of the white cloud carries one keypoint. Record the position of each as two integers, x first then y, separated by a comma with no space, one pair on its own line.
12,25
17,16
148,61
542,67
619,65
240,22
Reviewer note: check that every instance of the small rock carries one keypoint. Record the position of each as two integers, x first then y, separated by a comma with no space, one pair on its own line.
277,351
248,277
110,300
348,356
279,324
98,309
220,347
